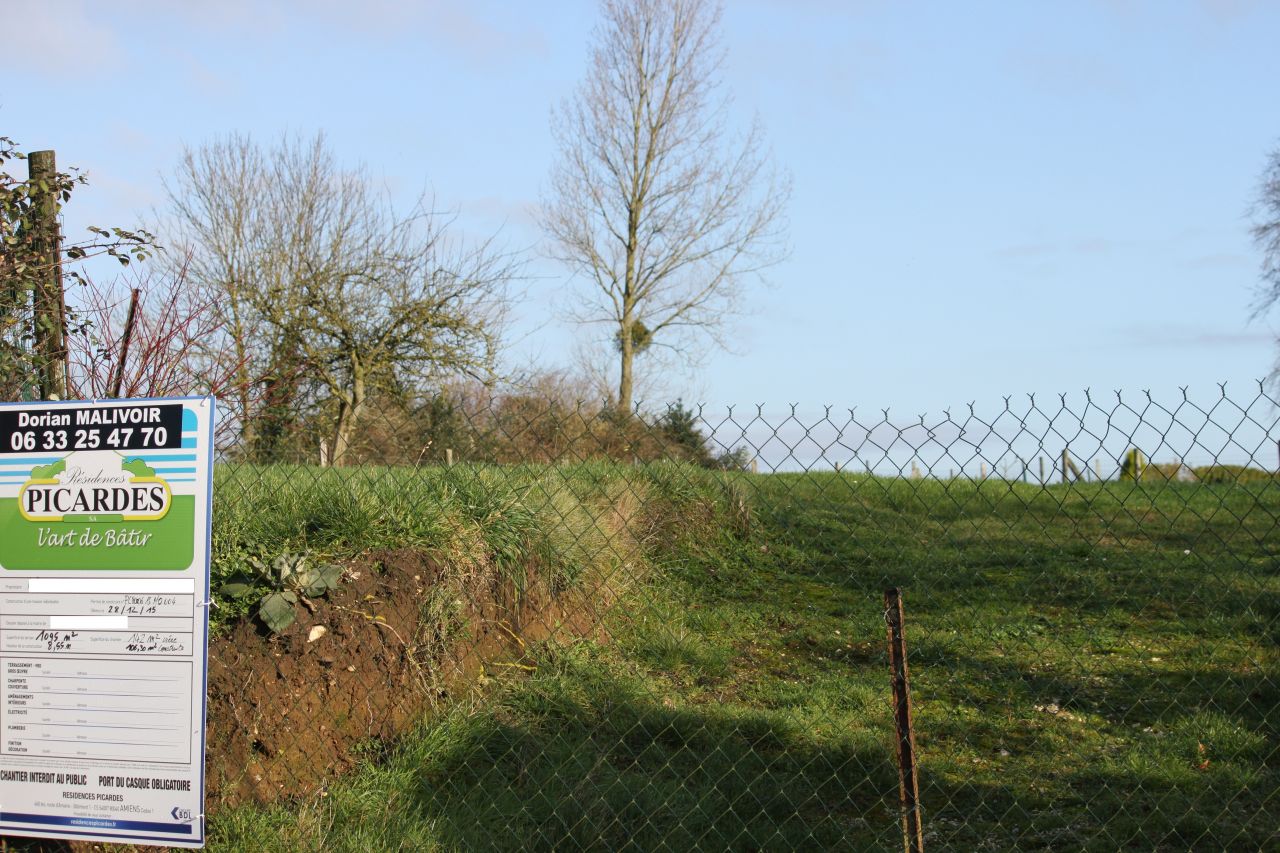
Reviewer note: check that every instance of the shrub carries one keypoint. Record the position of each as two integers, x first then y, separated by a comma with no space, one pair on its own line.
1231,474
1175,472
1133,466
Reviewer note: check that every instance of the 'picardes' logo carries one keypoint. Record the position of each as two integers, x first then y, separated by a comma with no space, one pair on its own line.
97,483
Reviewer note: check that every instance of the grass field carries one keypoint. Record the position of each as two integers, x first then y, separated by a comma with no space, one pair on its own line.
1094,667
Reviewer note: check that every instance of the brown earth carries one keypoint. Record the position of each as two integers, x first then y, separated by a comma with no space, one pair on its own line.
288,714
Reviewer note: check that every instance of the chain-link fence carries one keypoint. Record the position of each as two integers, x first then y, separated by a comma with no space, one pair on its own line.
560,628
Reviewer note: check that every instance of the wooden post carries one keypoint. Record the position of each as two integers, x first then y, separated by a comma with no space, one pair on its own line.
49,325
1069,467
324,453
1097,470
755,465
908,779
915,470
982,471
448,456
1042,470
124,344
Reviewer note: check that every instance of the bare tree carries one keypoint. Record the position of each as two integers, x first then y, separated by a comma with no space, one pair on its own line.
650,202
1266,233
325,285
221,198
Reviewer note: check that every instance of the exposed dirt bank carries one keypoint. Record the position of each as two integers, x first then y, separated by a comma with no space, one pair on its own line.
289,713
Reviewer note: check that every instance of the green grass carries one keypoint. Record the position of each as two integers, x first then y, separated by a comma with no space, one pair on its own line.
571,520
1093,667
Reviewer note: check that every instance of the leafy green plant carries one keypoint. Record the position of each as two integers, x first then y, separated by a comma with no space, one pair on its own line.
289,579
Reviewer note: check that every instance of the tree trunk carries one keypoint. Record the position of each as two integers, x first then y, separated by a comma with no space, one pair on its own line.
627,348
243,384
49,327
349,410
275,419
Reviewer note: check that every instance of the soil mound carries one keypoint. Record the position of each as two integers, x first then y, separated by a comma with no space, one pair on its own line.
289,712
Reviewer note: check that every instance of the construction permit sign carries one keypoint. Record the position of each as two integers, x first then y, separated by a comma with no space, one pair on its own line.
104,619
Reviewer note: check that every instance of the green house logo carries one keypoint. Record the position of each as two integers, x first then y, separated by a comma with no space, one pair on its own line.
94,485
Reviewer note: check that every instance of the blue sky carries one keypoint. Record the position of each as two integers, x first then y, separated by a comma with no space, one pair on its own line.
990,198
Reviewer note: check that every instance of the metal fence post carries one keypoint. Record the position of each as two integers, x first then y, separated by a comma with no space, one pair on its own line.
908,781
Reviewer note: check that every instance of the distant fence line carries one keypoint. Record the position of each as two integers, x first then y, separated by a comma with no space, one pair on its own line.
1075,437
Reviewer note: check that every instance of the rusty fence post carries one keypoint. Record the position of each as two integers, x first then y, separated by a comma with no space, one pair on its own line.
908,781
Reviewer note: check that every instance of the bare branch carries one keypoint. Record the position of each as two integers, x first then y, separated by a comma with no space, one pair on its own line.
1266,234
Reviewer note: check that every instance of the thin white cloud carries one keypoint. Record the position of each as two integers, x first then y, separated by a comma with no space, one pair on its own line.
1219,260
203,78
480,37
1082,246
1027,250
57,38
1230,11
1064,74
1190,336
462,29
514,211
1097,246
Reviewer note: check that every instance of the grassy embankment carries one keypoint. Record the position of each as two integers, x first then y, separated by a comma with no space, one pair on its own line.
1094,667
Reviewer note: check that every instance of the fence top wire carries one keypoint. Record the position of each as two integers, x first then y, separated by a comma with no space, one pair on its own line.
1214,427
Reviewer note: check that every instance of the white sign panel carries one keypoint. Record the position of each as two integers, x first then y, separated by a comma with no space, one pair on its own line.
104,619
